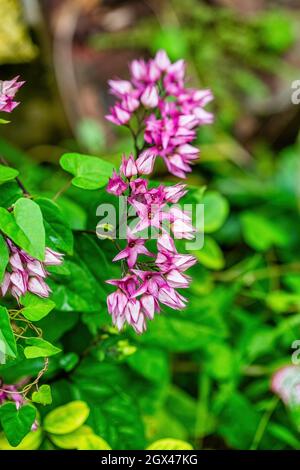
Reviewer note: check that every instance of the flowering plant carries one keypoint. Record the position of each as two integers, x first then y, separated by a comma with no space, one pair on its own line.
157,107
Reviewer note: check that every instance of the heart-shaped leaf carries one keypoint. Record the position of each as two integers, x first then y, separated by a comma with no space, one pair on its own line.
43,395
89,172
36,308
16,423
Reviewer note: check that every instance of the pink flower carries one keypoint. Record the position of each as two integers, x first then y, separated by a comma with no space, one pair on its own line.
149,305
174,78
150,215
139,186
168,296
162,60
139,71
145,162
116,185
175,193
286,384
120,88
118,115
124,307
130,103
135,247
179,165
116,303
177,280
5,284
192,102
127,284
19,282
149,97
27,274
152,282
144,73
8,90
128,166
52,258
181,223
36,268
169,259
37,286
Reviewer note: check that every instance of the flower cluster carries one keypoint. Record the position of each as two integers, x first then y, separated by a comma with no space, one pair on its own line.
8,90
168,113
26,274
171,112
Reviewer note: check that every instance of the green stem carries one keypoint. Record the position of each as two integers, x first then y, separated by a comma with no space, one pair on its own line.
261,428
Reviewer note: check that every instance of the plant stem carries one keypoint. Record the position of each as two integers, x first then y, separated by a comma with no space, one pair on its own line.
62,190
19,182
263,424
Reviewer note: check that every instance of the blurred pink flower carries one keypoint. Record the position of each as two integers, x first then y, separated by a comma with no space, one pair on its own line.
8,90
286,384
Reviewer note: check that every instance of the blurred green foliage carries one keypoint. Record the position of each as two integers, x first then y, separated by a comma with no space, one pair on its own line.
201,375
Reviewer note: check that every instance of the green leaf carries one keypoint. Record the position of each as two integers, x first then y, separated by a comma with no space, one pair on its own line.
69,361
71,440
29,218
277,30
285,435
283,302
38,347
89,172
169,444
8,345
7,174
216,210
221,362
9,226
9,193
166,330
172,39
43,395
31,441
35,308
92,442
238,421
4,121
67,418
4,257
261,233
151,363
58,233
210,255
16,423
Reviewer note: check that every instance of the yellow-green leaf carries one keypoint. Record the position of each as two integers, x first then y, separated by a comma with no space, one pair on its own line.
92,442
43,395
31,441
70,441
210,255
66,418
170,444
